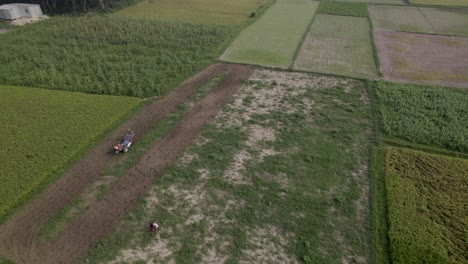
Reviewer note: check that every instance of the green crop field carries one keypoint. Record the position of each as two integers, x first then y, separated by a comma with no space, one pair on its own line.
280,176
343,9
338,45
273,39
440,2
43,130
420,19
427,213
219,12
434,116
108,55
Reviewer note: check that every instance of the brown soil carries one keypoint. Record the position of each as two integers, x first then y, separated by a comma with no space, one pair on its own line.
20,234
423,58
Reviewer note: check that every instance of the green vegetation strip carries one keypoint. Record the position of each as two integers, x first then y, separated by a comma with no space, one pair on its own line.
343,8
44,130
427,197
428,115
440,2
108,55
300,196
273,39
219,12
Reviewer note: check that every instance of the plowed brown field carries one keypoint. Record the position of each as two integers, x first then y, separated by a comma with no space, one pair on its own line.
20,234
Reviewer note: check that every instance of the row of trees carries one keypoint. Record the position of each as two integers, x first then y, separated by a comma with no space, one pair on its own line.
57,6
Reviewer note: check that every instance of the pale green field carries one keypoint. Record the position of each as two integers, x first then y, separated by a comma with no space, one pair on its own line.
441,2
274,38
420,19
400,2
338,45
219,12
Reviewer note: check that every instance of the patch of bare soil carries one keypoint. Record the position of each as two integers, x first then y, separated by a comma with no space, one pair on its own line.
423,58
3,30
20,234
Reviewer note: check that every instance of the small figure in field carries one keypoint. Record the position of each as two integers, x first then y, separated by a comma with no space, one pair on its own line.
126,142
153,227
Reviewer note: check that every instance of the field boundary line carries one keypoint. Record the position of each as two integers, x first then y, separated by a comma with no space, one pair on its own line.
375,50
303,38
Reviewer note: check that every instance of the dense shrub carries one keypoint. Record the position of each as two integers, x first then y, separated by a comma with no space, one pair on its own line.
107,55
424,114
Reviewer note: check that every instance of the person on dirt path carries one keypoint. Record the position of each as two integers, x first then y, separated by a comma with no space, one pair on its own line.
153,227
128,138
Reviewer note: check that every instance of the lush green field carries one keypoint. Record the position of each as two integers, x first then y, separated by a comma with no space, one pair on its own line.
43,130
420,19
427,197
338,45
107,55
273,39
219,12
343,8
427,115
279,176
440,2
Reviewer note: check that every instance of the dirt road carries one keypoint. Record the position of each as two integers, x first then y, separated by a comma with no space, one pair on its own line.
20,234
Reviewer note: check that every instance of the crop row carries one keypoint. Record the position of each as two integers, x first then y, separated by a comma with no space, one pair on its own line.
343,8
107,55
44,130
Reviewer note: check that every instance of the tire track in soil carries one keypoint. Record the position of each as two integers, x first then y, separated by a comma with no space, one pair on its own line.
20,237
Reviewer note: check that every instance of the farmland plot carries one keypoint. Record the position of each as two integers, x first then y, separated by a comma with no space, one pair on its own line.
60,124
440,2
338,45
427,197
420,19
273,39
399,2
224,12
279,176
424,59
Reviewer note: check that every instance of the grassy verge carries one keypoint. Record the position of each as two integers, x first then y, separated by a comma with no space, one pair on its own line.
426,207
61,124
343,8
108,55
380,242
434,116
279,175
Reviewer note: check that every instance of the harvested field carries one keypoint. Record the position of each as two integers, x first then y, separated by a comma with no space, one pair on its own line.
423,59
427,211
420,19
273,39
338,45
20,234
279,176
440,2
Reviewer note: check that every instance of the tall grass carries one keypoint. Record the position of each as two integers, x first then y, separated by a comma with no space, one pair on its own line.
107,55
434,116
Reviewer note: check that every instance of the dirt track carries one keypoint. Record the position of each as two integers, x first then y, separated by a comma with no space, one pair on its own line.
20,237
